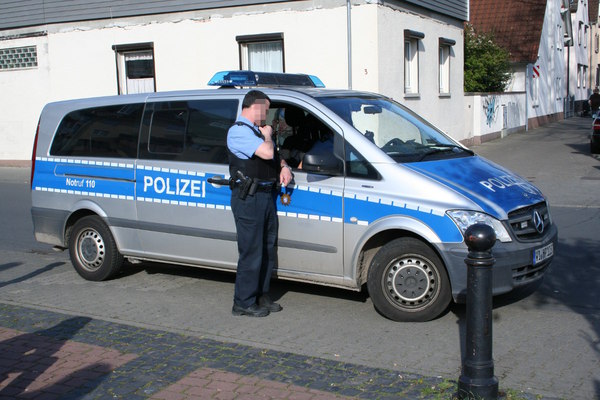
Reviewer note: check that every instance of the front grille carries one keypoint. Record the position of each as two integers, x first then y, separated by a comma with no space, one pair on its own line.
523,221
529,273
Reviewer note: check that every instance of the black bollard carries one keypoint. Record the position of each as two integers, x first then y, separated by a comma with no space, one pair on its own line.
477,380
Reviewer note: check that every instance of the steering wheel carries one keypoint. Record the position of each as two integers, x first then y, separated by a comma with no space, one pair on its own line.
393,144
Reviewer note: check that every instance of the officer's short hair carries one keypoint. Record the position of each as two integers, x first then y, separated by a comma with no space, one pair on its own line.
254,96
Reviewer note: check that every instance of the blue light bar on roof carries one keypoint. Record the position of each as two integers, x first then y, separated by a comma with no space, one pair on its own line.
250,78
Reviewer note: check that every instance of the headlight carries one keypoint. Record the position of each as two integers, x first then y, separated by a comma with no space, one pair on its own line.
464,219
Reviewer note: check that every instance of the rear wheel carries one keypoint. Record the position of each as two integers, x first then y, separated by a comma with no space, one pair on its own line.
408,282
93,250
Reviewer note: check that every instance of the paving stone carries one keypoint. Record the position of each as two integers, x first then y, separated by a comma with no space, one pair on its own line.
52,354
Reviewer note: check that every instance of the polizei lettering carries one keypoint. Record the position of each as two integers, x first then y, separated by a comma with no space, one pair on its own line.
174,186
506,181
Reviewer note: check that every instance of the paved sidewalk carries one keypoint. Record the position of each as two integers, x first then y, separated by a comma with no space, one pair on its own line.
48,355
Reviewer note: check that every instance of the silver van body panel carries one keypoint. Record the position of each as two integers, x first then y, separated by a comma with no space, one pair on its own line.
166,210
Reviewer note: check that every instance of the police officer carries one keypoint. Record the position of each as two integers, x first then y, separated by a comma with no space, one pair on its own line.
255,169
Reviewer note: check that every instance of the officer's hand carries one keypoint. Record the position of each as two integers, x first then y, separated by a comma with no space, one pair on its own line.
267,131
285,176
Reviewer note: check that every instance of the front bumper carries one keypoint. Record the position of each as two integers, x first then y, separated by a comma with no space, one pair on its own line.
513,265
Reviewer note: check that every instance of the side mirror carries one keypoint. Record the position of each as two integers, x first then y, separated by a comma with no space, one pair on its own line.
322,162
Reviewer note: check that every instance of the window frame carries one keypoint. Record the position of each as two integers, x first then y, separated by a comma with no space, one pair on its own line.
245,40
444,57
412,41
120,51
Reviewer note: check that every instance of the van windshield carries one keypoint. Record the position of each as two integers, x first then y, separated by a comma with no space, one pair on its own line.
396,130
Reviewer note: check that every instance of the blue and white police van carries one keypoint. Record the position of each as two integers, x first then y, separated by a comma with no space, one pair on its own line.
380,198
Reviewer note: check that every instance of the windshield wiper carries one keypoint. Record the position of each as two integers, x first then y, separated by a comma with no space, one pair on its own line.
442,148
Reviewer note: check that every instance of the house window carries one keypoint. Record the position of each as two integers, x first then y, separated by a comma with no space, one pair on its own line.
558,88
411,61
581,75
444,65
585,36
18,58
579,39
135,68
262,53
559,38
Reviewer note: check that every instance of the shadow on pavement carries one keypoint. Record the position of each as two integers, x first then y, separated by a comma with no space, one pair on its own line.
27,357
278,286
27,276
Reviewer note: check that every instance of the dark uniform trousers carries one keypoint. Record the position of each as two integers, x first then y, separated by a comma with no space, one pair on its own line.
257,225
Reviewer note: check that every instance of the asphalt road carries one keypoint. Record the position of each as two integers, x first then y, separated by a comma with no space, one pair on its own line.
545,342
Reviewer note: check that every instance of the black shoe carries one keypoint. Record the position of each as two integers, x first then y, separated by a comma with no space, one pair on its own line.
266,302
253,311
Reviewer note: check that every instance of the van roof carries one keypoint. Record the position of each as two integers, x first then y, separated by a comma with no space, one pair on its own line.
144,97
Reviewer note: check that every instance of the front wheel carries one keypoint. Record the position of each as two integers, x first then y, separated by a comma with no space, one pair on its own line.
93,250
408,282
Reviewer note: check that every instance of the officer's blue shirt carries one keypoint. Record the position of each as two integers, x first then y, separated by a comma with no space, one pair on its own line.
241,141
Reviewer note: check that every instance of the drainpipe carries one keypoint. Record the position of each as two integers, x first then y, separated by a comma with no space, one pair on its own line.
568,105
349,29
528,69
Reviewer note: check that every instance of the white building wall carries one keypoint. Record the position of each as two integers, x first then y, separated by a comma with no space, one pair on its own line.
492,115
579,53
430,103
594,53
23,93
77,60
546,90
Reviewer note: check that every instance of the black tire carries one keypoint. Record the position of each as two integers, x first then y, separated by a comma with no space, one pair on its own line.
594,149
93,250
408,282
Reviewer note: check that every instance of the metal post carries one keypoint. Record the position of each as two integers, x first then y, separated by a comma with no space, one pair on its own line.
349,33
477,380
528,76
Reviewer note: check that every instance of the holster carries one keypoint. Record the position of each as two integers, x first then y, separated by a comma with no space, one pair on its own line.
245,185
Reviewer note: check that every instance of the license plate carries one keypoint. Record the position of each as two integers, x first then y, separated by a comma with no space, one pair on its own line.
543,253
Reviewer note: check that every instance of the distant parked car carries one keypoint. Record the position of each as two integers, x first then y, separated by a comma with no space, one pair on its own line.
595,136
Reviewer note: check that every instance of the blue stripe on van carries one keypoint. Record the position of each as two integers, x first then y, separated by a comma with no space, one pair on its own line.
370,210
188,188
177,187
85,178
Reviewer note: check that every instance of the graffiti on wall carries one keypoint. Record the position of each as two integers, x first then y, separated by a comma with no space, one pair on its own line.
491,109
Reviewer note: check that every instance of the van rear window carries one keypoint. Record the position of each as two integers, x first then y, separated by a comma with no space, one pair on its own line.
110,131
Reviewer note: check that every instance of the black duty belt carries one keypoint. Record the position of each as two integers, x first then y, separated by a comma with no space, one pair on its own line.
259,187
269,187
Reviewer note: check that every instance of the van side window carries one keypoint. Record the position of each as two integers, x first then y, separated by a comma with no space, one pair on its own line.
194,131
357,166
298,131
167,131
110,131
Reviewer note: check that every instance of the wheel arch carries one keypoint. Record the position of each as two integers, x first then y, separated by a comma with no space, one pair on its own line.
81,209
385,231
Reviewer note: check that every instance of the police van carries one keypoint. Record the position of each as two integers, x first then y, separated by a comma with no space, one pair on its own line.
383,206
